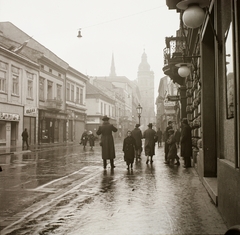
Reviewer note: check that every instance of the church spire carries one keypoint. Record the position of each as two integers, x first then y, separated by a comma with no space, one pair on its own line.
112,71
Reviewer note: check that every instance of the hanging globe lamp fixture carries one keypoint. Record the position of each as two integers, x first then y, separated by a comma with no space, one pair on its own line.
193,15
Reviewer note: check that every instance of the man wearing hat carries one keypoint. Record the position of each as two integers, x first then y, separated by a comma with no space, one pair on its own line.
137,135
149,146
166,146
107,142
186,143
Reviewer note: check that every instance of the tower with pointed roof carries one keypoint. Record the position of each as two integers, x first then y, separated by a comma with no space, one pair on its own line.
113,70
145,80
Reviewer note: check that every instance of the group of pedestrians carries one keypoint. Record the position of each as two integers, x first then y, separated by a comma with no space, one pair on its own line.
87,136
132,143
176,139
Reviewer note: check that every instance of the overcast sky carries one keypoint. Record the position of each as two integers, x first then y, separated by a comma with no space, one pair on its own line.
124,27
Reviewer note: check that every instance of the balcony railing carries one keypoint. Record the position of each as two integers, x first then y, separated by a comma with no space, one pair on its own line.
54,104
175,47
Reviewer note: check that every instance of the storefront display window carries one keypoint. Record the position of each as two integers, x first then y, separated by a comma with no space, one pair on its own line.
2,133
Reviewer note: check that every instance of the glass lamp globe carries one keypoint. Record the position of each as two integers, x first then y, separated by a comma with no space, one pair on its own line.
183,71
193,16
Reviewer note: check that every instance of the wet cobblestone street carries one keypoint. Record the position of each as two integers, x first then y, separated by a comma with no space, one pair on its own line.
150,199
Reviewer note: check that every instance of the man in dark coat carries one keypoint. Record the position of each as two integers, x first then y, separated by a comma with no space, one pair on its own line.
25,138
137,135
166,146
107,142
149,146
186,143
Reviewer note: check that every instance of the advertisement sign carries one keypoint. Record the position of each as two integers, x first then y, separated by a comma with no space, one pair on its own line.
9,117
30,111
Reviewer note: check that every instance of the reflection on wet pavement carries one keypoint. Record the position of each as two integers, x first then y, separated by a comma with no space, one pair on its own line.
150,199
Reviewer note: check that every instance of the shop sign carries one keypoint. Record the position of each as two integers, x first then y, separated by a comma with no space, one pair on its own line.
9,116
30,111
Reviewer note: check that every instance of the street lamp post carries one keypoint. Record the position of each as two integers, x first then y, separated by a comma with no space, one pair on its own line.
139,111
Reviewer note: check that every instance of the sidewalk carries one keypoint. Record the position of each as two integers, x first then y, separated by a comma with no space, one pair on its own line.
32,148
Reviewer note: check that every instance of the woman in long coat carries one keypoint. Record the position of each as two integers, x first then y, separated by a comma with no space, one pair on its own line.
107,142
137,135
172,152
129,145
186,143
149,146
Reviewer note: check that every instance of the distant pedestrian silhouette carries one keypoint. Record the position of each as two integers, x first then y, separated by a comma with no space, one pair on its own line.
159,135
25,139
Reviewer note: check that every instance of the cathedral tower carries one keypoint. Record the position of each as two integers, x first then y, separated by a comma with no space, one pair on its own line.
146,87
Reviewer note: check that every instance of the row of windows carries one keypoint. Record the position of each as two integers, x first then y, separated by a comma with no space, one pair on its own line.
74,94
15,75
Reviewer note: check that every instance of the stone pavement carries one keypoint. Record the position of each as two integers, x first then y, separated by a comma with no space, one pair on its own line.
150,199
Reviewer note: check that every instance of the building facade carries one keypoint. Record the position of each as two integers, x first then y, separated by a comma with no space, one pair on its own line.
18,101
51,95
213,95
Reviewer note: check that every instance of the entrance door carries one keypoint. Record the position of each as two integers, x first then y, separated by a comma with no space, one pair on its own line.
30,124
14,126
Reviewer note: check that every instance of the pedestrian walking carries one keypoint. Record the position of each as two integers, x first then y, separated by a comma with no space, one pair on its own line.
159,135
25,138
91,139
177,137
186,143
129,145
107,142
149,146
137,135
172,153
166,136
84,138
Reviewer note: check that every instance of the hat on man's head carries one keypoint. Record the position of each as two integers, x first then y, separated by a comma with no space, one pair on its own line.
137,125
150,125
169,122
105,118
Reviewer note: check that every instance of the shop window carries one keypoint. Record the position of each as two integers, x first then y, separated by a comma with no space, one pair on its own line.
2,133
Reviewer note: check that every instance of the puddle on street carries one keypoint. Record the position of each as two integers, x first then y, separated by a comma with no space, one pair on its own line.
150,199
